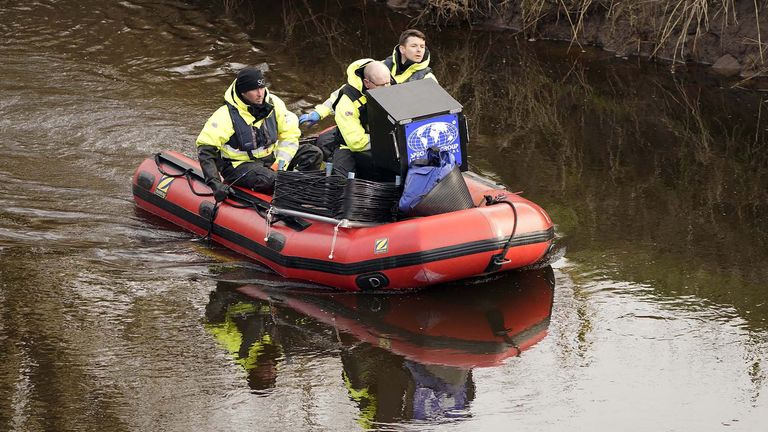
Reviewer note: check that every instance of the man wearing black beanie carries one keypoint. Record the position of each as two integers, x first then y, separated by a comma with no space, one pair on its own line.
249,79
248,138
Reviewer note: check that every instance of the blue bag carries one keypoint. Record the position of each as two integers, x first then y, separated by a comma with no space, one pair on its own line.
423,175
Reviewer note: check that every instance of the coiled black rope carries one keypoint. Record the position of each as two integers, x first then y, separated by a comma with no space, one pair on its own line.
369,201
336,197
309,191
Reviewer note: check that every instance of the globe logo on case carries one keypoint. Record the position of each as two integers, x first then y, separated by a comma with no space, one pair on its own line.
436,134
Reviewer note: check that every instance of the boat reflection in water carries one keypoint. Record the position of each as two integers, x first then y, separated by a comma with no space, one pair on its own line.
406,356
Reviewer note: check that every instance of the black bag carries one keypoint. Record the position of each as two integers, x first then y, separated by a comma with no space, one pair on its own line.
329,141
308,158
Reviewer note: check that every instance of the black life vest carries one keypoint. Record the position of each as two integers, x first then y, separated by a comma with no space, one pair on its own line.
247,137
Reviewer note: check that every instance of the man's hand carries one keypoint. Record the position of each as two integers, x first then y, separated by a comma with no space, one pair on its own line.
309,118
220,190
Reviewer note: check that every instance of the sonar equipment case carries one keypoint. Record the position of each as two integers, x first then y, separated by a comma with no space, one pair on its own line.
408,118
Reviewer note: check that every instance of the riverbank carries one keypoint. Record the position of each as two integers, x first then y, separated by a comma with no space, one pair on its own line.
730,35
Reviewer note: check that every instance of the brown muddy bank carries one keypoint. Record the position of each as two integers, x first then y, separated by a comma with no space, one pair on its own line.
730,35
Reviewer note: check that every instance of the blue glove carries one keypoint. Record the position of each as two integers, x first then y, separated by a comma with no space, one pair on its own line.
310,118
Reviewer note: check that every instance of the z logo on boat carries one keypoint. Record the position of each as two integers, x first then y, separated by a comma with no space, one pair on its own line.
381,246
162,186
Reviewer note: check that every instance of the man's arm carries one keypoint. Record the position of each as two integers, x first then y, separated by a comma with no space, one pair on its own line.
217,131
326,108
348,121
288,133
322,110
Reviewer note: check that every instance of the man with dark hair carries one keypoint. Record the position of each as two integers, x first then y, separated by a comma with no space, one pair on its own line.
410,58
409,62
248,138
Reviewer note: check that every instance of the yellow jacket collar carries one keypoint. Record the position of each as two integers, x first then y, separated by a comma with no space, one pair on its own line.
355,73
397,64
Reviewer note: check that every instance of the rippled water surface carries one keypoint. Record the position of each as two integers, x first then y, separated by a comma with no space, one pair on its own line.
110,319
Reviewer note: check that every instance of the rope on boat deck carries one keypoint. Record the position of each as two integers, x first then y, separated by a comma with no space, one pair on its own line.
186,174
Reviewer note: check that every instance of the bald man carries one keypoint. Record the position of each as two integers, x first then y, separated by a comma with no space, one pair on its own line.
354,151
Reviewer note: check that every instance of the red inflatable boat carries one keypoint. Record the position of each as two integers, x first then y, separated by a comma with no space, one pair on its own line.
504,232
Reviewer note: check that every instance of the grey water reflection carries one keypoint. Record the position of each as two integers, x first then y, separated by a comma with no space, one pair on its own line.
403,357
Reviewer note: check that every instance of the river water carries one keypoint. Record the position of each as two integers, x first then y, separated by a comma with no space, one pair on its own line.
654,318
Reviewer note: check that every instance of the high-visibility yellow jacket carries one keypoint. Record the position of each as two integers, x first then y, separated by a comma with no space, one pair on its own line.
350,107
277,131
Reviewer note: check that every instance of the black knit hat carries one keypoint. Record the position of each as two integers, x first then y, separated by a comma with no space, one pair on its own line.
249,79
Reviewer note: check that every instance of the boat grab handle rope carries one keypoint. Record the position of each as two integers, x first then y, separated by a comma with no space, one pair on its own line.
499,260
335,233
187,174
268,220
217,204
236,196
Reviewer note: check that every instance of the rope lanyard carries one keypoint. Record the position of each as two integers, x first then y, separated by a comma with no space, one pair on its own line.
188,174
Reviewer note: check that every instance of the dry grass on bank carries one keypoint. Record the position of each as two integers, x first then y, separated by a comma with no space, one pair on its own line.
660,28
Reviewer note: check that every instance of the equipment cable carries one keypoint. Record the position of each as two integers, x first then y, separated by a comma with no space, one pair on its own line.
369,201
499,260
309,191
